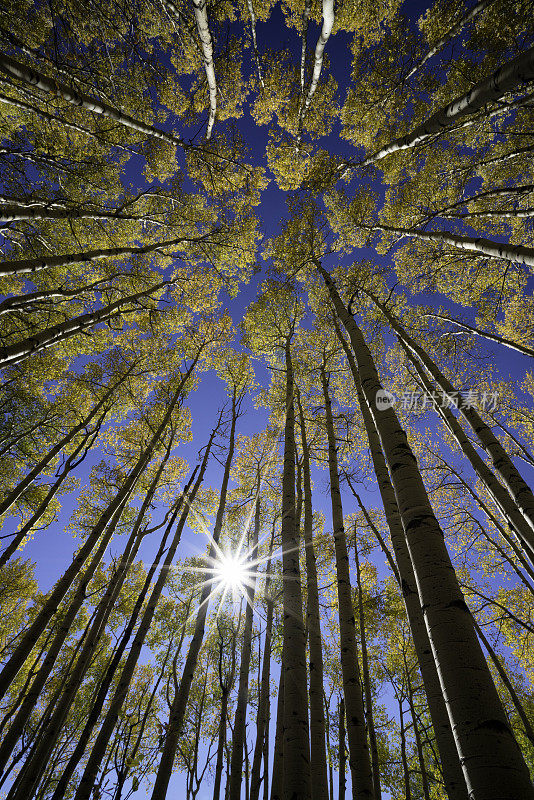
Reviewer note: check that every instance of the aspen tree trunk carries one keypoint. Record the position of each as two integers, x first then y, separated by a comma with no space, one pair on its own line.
476,244
200,9
404,574
58,448
15,731
305,24
62,586
238,738
507,683
417,735
71,463
264,694
518,488
329,751
318,766
342,756
98,702
405,769
296,742
507,536
20,212
15,353
498,492
369,716
179,703
88,778
453,31
326,30
492,337
220,745
516,73
278,758
29,265
493,766
49,736
359,757
49,86
49,117
266,753
252,16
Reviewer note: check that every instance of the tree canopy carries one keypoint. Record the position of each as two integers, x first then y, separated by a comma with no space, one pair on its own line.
267,400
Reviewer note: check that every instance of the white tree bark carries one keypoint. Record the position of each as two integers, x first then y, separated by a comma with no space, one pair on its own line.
514,481
517,72
475,244
503,500
359,754
201,17
404,574
492,337
494,768
28,265
455,28
28,75
326,30
15,353
296,783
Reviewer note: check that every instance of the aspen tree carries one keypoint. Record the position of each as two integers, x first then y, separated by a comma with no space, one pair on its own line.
313,621
462,670
359,756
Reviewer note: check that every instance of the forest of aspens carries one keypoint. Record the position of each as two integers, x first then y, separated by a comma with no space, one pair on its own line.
267,405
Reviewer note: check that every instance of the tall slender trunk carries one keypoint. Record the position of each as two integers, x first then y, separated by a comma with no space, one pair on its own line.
71,462
417,736
50,606
318,765
518,488
404,574
491,759
49,736
329,751
266,752
278,757
31,109
60,446
28,265
99,748
369,716
404,760
342,752
252,16
359,756
200,9
264,693
326,30
467,17
17,212
107,679
521,713
179,703
238,738
510,76
492,337
220,744
15,731
49,86
296,759
41,340
503,500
